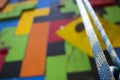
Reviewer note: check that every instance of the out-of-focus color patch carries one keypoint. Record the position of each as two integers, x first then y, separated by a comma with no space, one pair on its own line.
16,44
35,56
26,21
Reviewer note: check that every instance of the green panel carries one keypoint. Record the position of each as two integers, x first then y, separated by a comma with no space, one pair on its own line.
113,13
69,6
16,44
77,61
25,7
56,68
17,11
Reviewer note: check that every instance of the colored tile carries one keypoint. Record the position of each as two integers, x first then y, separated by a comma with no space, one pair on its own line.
54,8
69,6
112,14
45,3
56,48
55,25
25,28
16,44
77,61
101,3
3,53
17,11
36,50
13,1
56,68
8,23
10,69
30,78
10,7
80,40
112,31
76,38
55,16
81,76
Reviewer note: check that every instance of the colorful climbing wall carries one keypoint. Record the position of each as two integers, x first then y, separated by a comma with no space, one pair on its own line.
46,39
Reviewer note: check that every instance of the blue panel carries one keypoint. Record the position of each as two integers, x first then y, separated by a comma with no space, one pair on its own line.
45,3
30,78
13,1
8,23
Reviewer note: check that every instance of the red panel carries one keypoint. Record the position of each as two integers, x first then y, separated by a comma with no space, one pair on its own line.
3,53
55,25
101,3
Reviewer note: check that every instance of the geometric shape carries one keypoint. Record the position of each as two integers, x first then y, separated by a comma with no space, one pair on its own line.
79,27
81,76
13,1
17,11
56,68
55,25
79,40
54,8
55,16
11,69
101,3
41,12
2,3
69,6
3,53
8,23
77,61
36,50
10,7
30,78
16,44
112,31
26,21
113,14
45,3
56,48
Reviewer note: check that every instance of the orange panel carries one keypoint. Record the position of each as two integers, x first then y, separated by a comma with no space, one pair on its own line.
35,58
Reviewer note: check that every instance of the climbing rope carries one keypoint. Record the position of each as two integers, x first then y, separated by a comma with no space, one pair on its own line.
104,70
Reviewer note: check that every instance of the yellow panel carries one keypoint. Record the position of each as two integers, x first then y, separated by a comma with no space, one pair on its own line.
42,12
10,7
113,32
25,23
80,40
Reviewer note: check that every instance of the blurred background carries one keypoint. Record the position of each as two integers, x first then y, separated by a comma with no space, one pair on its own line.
46,39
